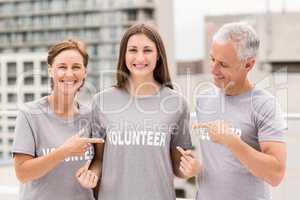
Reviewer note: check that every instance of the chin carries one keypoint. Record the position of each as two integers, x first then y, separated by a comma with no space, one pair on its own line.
68,92
141,73
218,84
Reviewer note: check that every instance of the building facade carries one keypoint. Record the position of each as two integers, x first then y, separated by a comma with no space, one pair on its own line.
33,25
22,79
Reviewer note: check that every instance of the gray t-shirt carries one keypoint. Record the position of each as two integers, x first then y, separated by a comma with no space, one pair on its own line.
256,117
38,132
139,134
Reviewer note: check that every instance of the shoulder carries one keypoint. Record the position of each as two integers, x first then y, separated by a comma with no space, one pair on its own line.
34,107
172,97
110,99
166,91
84,109
207,95
261,98
108,93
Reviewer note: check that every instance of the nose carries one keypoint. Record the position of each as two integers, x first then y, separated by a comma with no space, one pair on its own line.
69,72
140,57
215,69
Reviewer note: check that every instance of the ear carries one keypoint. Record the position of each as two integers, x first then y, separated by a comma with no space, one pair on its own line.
249,64
85,72
50,71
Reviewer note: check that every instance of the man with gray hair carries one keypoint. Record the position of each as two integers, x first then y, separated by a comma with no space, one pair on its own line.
240,126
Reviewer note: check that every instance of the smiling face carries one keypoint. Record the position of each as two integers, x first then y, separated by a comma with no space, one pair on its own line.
141,56
68,72
226,67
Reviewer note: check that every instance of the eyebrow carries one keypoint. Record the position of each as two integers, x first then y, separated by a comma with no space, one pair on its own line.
66,64
133,46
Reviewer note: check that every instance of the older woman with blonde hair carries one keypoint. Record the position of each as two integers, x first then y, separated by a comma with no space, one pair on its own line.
52,133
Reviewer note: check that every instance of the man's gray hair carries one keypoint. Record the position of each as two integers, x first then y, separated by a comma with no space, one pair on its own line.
243,35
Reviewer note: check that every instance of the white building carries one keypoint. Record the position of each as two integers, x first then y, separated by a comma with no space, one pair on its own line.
32,26
23,78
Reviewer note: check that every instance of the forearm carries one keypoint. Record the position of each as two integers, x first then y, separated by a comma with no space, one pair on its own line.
35,168
95,166
260,164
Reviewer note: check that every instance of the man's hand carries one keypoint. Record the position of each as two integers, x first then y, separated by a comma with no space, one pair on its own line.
219,132
189,165
87,178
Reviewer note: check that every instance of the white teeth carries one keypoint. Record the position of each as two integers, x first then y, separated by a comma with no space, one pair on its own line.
68,82
219,77
139,65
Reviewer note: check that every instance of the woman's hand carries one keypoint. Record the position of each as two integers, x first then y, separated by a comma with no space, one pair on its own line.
87,178
78,145
189,165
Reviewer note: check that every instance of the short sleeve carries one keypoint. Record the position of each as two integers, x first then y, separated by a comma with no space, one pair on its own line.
98,131
270,122
24,141
181,135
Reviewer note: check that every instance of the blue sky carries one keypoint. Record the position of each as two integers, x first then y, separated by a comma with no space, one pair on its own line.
189,19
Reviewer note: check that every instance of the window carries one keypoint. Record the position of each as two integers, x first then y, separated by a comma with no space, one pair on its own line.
11,97
132,15
24,37
44,94
113,34
11,80
149,14
28,76
11,117
28,80
45,80
0,77
10,154
11,129
7,8
11,73
10,141
44,73
28,97
95,50
44,67
11,68
290,67
28,67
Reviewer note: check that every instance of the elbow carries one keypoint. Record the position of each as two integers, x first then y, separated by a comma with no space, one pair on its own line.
277,178
22,178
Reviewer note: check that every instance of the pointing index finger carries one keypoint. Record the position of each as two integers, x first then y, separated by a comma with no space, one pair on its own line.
81,132
185,153
199,125
93,140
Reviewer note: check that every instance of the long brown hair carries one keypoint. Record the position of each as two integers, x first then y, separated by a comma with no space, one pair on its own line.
70,44
161,72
